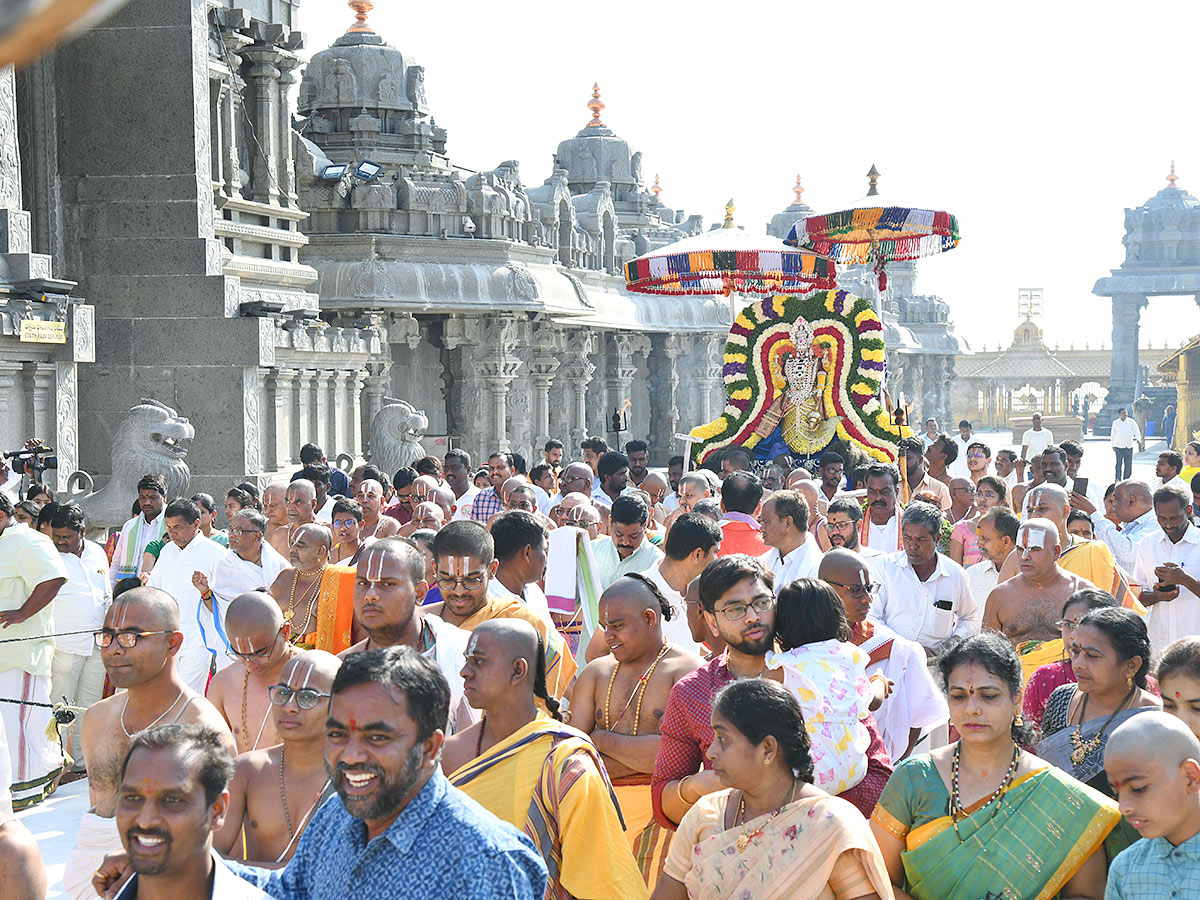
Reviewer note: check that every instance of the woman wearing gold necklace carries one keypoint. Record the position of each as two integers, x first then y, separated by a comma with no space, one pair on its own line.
772,834
1110,655
983,817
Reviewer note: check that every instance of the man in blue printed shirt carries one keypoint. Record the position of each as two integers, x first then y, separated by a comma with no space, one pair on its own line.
397,828
1153,764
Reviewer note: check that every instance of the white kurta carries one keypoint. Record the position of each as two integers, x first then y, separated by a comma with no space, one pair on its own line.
127,561
1170,620
173,574
916,701
802,562
82,602
928,611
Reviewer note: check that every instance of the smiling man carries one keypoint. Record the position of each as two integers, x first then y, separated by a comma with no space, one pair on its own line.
531,770
399,822
249,564
626,548
275,790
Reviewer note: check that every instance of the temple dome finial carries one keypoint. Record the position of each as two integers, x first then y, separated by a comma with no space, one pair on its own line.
595,105
872,181
1172,178
361,8
657,189
729,210
798,190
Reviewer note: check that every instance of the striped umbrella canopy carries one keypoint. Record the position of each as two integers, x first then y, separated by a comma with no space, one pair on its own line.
726,260
873,234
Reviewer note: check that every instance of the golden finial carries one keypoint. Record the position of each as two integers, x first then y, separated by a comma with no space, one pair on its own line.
361,8
657,189
595,105
729,209
872,181
1172,178
798,190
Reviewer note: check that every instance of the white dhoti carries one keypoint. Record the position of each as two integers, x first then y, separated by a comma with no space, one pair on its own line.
97,838
194,666
33,744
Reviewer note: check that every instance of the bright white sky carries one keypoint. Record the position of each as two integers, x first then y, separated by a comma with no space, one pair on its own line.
1035,123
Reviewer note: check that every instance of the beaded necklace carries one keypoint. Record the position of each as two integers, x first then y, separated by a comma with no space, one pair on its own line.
956,808
639,691
290,612
1085,748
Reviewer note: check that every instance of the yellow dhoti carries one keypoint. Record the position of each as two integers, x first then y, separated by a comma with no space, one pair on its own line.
648,840
1038,653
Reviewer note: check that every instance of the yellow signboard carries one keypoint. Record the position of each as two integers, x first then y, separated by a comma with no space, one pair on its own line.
35,331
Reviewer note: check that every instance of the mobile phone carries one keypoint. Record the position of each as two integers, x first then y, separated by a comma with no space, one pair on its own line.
1081,486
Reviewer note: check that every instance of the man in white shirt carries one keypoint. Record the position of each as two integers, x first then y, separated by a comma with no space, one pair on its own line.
318,474
457,471
1133,505
139,531
880,527
1168,467
916,704
691,544
842,525
794,552
1035,439
923,595
1124,435
1006,467
251,564
958,468
77,671
1168,566
997,531
187,554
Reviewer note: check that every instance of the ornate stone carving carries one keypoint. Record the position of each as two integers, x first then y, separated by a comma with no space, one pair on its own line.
66,438
404,329
10,165
416,85
251,417
372,280
395,435
83,327
152,439
520,285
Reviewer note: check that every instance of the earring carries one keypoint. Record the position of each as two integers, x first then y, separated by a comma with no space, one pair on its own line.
1019,721
766,761
1129,682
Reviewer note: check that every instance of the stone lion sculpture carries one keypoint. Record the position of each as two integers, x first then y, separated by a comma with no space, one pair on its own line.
396,432
152,440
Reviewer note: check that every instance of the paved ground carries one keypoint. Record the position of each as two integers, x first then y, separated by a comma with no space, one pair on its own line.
54,822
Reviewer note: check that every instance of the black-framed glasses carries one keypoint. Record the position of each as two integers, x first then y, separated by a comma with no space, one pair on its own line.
737,611
126,639
254,654
306,698
857,591
469,582
244,531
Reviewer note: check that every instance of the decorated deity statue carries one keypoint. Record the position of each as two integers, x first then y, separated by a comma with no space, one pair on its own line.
801,370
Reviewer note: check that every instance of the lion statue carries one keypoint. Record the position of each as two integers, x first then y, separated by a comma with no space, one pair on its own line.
396,432
152,440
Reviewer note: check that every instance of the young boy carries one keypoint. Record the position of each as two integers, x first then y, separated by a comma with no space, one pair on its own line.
1153,764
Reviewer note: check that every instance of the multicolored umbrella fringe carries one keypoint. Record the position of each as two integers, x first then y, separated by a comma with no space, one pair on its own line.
756,272
850,337
875,234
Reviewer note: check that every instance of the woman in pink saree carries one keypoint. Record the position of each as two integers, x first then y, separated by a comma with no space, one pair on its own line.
772,835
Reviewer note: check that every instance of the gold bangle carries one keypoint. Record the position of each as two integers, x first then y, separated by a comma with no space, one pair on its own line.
679,789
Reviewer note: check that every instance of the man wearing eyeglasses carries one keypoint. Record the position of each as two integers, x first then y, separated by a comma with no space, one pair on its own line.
259,645
31,575
249,564
738,599
276,789
139,644
962,498
916,704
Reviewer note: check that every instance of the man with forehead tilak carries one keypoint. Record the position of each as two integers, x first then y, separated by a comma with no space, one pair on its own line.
275,791
536,773
258,643
619,700
1027,607
389,585
316,597
138,644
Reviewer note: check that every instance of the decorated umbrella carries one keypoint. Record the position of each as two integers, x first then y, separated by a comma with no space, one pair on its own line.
872,234
727,260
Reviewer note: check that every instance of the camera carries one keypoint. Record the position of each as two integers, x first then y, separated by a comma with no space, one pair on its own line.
33,458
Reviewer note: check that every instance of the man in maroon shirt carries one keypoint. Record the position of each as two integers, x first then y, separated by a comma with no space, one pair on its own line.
738,599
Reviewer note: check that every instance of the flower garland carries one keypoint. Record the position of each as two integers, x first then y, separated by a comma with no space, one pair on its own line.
848,335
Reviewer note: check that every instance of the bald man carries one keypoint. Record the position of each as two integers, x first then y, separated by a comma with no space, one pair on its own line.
916,704
275,509
618,700
532,771
300,506
274,791
259,647
150,692
1027,607
316,598
1153,765
374,523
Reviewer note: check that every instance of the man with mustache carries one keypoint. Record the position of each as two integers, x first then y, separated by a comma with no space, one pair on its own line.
841,528
880,529
738,598
626,549
275,790
315,597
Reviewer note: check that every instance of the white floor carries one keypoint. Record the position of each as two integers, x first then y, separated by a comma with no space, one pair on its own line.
53,824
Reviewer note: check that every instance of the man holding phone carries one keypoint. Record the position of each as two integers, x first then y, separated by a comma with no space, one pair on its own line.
1170,562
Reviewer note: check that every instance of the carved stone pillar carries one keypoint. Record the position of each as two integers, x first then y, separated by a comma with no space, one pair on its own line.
355,386
666,349
287,64
499,367
229,113
306,401
251,420
468,410
66,426
544,363
597,397
578,373
339,411
323,422
1126,327
712,384
264,165
621,372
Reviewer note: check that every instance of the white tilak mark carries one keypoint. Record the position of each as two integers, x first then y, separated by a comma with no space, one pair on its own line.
374,566
460,566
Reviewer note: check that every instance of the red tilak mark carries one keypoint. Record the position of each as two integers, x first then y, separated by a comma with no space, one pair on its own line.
353,724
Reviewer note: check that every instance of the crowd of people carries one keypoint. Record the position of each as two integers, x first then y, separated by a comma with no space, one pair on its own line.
969,674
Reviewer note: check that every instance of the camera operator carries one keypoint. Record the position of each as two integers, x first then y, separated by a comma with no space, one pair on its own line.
32,459
10,481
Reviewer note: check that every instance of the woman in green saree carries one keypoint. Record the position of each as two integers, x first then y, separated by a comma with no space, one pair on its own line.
983,818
